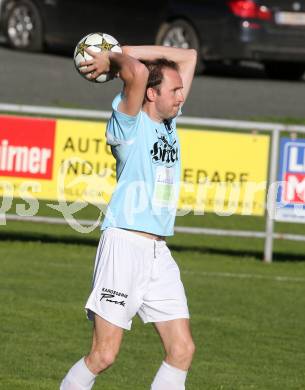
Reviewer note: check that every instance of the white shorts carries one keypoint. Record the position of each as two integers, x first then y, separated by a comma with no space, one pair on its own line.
135,275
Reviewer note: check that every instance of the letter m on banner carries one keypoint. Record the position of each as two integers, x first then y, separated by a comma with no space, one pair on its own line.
291,194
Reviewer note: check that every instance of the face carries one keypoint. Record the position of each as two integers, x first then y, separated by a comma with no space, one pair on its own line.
170,96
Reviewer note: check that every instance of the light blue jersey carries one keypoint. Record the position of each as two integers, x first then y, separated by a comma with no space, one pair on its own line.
147,157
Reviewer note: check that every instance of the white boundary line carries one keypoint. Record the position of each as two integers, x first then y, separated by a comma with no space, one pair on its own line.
246,276
53,220
48,220
178,229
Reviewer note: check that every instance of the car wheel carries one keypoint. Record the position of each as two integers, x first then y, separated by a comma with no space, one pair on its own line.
180,33
23,26
284,70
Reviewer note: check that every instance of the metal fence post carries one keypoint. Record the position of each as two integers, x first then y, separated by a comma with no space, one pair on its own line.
271,196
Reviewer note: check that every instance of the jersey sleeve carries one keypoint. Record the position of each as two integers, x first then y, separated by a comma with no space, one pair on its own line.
121,128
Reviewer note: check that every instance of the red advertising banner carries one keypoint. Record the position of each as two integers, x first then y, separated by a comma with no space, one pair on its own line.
27,147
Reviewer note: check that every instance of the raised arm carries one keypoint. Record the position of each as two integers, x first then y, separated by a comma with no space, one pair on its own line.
131,71
185,58
134,74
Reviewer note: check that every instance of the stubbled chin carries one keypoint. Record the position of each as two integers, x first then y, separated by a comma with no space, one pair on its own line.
176,111
173,113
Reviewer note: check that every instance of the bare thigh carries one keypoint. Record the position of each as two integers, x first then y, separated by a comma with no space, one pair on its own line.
177,341
106,342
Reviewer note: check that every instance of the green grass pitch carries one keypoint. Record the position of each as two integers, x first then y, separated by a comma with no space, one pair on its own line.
248,318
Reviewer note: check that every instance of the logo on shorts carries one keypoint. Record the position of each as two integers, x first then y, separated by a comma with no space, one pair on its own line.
107,294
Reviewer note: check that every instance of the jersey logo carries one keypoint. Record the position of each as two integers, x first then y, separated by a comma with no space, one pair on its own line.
163,152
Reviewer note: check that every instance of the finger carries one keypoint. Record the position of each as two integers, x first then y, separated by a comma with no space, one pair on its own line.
87,69
90,52
92,75
86,63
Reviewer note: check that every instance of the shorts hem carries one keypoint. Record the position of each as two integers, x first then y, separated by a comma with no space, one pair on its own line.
166,318
107,318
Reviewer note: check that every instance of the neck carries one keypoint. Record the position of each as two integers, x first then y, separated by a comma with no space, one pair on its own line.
151,112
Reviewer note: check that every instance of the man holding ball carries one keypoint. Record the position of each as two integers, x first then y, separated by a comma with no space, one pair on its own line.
134,270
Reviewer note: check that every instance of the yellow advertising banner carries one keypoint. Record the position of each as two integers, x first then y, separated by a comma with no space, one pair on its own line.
84,165
69,160
223,172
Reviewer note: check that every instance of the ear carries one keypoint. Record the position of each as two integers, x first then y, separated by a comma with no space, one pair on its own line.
151,94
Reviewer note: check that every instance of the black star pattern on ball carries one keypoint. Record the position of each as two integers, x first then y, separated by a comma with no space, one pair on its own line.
81,48
105,45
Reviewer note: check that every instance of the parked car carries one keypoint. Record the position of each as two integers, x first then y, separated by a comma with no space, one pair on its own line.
271,32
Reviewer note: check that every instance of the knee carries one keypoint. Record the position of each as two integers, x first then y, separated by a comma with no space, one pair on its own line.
100,360
181,354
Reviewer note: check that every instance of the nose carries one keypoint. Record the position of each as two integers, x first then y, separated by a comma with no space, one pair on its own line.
180,97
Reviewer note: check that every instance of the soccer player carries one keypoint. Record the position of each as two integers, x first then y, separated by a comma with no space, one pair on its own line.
134,271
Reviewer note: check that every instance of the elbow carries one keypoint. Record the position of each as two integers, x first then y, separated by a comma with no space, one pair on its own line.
191,60
139,72
193,55
134,72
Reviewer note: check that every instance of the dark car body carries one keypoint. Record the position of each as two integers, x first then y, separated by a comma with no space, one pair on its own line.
65,22
269,31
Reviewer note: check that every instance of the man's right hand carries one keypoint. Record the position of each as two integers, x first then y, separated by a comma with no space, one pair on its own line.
97,65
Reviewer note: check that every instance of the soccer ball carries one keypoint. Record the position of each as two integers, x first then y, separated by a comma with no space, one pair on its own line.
96,42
